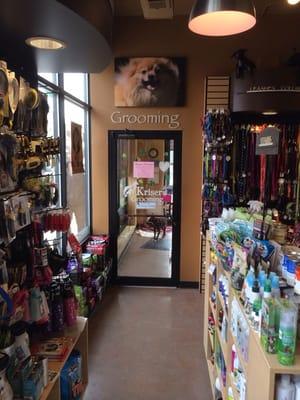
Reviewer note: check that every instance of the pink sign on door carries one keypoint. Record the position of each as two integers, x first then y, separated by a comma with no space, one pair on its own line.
143,169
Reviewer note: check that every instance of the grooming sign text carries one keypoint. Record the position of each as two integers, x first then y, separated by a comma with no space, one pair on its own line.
171,120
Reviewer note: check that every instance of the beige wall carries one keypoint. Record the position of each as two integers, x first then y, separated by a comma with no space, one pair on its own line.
270,43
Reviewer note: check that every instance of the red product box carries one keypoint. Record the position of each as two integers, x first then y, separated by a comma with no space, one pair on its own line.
97,244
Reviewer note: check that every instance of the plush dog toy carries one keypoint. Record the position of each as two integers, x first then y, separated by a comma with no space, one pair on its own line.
255,206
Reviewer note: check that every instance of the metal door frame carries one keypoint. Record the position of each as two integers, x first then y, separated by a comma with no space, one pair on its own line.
113,136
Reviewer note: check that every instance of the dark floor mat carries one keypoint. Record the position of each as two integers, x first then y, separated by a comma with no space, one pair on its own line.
160,244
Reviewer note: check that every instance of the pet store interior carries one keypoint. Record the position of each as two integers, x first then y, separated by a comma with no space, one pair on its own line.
150,200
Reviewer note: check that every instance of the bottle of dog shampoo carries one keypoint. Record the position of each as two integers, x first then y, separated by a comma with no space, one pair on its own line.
285,389
287,332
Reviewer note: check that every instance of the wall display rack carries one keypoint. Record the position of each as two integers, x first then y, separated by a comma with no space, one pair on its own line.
237,167
46,289
259,369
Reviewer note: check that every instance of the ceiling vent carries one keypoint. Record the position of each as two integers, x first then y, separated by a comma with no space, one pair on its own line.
157,9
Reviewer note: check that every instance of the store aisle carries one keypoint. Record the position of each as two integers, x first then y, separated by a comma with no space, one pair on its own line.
146,344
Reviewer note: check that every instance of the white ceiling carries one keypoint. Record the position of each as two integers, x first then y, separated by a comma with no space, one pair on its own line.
183,7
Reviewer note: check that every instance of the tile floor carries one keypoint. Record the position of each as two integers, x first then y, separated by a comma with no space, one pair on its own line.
137,261
146,344
124,238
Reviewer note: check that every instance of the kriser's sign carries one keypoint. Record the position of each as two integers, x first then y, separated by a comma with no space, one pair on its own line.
269,90
147,198
141,191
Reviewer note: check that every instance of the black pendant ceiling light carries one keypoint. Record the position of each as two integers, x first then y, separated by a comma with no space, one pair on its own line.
222,17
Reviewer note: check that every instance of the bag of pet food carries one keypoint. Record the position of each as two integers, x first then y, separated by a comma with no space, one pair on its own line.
71,378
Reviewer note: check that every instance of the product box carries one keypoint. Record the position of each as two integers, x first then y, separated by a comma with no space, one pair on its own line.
97,244
269,325
71,377
33,382
54,349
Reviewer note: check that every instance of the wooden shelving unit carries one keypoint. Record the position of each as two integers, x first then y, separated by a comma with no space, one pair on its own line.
261,368
79,335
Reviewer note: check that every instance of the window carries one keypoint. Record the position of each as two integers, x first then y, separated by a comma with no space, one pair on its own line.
76,85
53,78
77,183
67,97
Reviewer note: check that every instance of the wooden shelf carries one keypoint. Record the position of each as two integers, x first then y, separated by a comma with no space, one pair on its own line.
50,388
79,341
212,339
212,374
273,362
271,359
261,368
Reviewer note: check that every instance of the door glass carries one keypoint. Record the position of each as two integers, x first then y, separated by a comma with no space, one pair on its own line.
145,201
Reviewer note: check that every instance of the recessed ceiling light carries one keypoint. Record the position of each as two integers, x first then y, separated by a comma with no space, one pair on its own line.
293,2
222,17
270,113
45,43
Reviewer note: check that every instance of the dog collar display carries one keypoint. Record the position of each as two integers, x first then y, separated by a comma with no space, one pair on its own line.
232,166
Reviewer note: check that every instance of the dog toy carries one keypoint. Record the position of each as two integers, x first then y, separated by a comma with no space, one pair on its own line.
255,206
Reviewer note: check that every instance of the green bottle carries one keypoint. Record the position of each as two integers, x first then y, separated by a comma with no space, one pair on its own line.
287,332
269,325
256,298
267,289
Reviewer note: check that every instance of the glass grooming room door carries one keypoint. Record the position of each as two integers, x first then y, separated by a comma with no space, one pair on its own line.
145,171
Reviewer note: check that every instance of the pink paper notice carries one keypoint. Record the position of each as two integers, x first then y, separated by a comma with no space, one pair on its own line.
143,169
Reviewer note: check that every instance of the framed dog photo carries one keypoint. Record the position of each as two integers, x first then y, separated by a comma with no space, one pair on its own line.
150,81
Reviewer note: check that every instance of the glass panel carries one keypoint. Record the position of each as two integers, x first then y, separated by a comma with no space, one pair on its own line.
145,200
51,77
77,167
76,84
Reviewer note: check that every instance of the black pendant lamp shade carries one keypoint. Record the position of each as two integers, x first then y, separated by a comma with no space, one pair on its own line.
222,17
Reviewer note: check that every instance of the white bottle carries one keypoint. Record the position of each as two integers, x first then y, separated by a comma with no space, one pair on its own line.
297,388
230,394
243,388
22,350
285,389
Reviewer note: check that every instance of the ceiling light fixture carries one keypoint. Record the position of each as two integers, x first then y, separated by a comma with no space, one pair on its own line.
45,43
293,2
270,113
222,17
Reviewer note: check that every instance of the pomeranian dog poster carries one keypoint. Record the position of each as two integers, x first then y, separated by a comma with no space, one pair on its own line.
149,82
